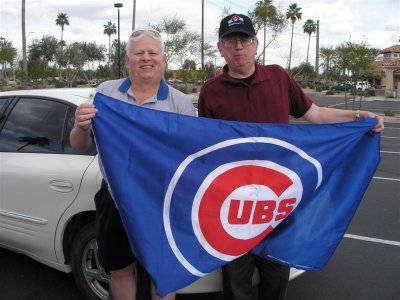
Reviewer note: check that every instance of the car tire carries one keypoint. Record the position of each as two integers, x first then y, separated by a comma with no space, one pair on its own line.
89,276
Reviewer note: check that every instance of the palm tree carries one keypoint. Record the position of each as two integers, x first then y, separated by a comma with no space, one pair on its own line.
327,55
293,13
309,27
265,10
109,29
62,20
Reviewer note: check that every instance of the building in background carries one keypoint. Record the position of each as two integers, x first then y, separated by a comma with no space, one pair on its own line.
389,68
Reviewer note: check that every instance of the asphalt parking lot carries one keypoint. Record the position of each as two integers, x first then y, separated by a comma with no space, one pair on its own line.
365,266
367,262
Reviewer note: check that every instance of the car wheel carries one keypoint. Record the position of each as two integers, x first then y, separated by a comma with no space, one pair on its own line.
90,277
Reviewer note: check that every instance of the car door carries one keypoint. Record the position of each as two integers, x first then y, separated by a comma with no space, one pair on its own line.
40,174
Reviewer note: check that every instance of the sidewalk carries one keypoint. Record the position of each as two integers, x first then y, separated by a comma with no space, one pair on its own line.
350,96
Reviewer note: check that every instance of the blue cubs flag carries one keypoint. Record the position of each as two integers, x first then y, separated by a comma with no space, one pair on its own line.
196,193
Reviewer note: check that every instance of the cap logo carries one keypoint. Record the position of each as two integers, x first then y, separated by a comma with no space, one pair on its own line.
235,20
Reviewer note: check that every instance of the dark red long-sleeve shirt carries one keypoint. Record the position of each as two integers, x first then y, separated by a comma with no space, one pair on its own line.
271,97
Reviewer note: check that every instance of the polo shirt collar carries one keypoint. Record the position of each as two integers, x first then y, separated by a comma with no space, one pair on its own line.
162,93
259,76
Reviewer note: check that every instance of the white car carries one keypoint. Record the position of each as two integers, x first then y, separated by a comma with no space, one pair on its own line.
363,85
46,189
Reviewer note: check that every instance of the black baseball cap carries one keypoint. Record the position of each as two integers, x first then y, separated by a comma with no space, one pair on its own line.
236,23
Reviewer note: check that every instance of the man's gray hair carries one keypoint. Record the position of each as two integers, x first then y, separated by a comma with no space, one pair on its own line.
139,33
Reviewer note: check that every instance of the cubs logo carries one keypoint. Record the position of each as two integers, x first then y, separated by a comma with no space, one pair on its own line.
241,203
237,202
235,20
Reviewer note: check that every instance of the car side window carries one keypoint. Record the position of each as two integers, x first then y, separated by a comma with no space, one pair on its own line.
3,105
34,125
3,102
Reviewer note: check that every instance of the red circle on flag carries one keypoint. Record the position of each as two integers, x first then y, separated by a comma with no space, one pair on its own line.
218,192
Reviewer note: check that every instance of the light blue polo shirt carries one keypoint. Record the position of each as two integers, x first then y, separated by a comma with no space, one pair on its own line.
167,99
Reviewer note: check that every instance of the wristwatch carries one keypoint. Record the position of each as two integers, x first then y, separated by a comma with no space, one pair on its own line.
357,114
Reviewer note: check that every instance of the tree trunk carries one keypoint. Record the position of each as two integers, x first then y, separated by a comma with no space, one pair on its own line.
290,53
265,40
109,50
202,35
24,59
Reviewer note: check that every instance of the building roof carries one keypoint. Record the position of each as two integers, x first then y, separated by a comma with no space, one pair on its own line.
392,49
392,63
387,63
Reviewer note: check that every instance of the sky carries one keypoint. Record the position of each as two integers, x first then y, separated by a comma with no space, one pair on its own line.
377,22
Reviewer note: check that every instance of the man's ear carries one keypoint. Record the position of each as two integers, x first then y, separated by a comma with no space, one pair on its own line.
219,49
126,58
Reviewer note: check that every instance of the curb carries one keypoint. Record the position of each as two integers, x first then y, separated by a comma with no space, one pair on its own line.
391,119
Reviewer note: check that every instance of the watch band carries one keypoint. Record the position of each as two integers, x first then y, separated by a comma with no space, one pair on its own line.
357,115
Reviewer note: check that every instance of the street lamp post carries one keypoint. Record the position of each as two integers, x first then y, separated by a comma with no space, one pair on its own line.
134,15
119,5
27,36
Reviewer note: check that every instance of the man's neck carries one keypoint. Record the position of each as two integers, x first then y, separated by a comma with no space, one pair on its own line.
241,73
141,84
144,89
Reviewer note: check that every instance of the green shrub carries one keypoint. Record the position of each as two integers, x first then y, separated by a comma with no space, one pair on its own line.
59,84
330,92
388,113
318,88
371,93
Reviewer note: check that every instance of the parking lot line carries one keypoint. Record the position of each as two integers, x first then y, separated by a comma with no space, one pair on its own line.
384,178
390,152
374,240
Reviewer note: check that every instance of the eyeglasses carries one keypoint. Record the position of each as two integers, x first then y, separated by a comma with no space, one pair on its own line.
231,43
139,32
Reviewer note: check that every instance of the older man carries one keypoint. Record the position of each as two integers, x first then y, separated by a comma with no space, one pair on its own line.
249,92
145,86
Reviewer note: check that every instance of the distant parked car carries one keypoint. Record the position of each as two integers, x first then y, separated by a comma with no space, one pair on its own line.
363,85
343,87
13,82
47,188
93,82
